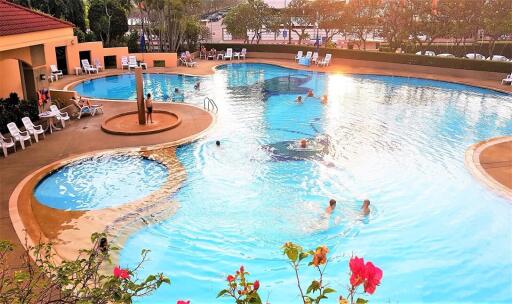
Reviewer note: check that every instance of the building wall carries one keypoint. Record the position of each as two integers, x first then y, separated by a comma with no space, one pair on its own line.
11,78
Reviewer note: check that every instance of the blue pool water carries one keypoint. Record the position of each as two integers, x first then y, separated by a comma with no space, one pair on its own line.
101,182
438,234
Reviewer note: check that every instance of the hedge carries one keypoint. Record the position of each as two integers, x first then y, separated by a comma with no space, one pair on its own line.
501,48
455,63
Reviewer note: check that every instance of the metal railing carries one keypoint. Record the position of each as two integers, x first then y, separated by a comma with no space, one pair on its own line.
210,105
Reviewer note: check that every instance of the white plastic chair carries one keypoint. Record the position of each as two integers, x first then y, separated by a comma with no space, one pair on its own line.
309,54
446,55
124,62
498,58
475,56
85,109
314,59
33,129
60,116
507,79
88,68
98,65
17,135
229,54
7,143
298,56
55,71
325,62
132,62
242,54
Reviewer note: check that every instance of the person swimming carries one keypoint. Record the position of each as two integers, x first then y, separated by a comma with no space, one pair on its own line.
303,143
217,143
197,86
324,99
299,99
365,208
310,93
332,205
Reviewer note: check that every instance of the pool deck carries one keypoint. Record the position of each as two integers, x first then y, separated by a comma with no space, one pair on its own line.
85,135
490,162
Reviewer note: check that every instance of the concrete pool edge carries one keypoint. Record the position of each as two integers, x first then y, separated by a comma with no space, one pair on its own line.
473,161
20,203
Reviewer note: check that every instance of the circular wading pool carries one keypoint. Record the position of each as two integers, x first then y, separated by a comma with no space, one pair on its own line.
101,182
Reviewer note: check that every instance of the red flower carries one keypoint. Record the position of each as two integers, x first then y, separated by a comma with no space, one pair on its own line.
373,275
256,285
230,278
242,269
183,302
357,269
121,273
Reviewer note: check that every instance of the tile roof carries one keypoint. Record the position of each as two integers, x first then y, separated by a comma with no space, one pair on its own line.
16,19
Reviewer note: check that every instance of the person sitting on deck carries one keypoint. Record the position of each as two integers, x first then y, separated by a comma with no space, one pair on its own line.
204,52
82,101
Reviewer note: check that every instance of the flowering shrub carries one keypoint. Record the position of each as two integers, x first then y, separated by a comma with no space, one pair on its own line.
296,254
241,290
367,275
42,280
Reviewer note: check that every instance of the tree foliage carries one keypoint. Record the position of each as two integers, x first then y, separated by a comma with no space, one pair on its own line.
108,20
70,10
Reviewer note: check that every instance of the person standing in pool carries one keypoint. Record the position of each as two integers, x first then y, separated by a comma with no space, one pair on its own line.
332,205
365,209
149,108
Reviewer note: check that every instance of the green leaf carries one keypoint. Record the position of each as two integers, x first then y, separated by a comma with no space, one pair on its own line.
150,278
329,290
313,287
361,301
303,255
222,292
292,254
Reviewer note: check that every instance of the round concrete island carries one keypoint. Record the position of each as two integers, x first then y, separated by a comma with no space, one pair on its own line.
128,123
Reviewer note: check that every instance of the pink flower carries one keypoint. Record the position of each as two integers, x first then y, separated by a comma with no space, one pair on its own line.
256,285
242,269
121,273
230,278
373,275
357,270
183,302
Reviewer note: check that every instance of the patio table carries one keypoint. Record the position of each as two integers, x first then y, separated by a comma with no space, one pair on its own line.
49,116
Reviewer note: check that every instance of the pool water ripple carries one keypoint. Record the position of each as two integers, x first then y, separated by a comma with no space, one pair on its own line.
438,234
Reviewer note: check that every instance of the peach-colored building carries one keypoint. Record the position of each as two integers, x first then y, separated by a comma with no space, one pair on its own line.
31,41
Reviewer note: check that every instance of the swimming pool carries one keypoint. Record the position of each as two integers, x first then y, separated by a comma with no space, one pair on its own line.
101,182
437,233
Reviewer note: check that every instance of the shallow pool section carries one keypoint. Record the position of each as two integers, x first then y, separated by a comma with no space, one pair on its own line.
439,235
101,182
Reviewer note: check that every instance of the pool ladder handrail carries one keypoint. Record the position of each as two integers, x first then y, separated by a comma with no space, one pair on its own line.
208,102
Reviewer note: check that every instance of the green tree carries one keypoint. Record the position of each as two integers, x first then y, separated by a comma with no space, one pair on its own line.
331,17
300,16
426,24
363,19
496,20
108,20
396,21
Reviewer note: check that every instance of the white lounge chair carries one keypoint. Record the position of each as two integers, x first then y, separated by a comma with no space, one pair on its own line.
85,109
7,143
124,62
55,71
475,56
33,129
60,116
97,64
298,56
88,68
242,54
17,135
309,54
507,79
229,54
314,59
498,58
446,55
326,61
132,62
